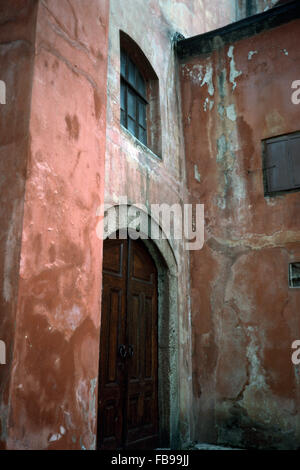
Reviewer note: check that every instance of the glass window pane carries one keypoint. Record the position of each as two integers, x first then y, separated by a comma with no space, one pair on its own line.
131,72
123,63
141,87
294,275
142,114
131,104
131,125
123,90
123,120
133,113
142,135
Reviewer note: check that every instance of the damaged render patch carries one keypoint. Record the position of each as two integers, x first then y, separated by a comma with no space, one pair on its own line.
234,73
230,111
74,317
71,318
239,190
222,148
197,174
196,73
92,402
221,203
251,54
208,80
208,104
257,378
221,110
55,437
221,83
92,409
9,255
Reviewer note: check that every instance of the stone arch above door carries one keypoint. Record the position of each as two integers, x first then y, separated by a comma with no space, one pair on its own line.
162,252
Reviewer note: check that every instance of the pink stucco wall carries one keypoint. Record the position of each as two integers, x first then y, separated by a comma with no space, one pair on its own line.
133,171
53,391
52,317
17,36
244,315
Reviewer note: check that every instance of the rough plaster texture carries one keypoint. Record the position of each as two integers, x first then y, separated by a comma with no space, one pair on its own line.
51,325
246,8
133,171
48,391
246,391
53,389
17,35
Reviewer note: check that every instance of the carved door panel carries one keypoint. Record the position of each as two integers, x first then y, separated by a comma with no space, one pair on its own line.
128,401
112,364
141,424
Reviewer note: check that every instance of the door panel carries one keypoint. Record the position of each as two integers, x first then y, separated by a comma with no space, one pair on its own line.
112,367
142,338
128,401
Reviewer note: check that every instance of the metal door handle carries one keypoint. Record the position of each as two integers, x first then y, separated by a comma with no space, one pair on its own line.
122,351
130,350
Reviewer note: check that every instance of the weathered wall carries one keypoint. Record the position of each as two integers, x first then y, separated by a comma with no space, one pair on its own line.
53,391
245,8
246,391
191,17
17,32
264,5
238,386
133,171
55,333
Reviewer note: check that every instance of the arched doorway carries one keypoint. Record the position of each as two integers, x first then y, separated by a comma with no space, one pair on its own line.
128,373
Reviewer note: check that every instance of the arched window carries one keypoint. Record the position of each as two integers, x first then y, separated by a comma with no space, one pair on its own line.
139,103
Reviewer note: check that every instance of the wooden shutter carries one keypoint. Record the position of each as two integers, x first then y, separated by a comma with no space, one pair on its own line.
294,149
282,163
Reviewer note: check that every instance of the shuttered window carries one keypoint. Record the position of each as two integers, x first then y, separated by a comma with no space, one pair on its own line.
294,275
282,164
133,99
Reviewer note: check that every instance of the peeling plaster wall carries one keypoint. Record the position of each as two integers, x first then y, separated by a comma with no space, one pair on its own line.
132,170
246,391
53,339
246,8
17,32
192,17
53,390
264,5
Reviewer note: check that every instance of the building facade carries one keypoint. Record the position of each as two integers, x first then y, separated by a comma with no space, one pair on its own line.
156,102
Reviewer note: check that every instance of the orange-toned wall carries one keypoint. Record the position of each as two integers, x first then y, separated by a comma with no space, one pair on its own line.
51,324
17,35
132,171
53,388
246,390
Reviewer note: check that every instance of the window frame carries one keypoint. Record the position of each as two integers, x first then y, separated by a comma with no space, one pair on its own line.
153,111
140,99
291,277
268,192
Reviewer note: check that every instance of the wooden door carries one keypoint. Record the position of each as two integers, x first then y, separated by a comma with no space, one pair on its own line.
128,399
